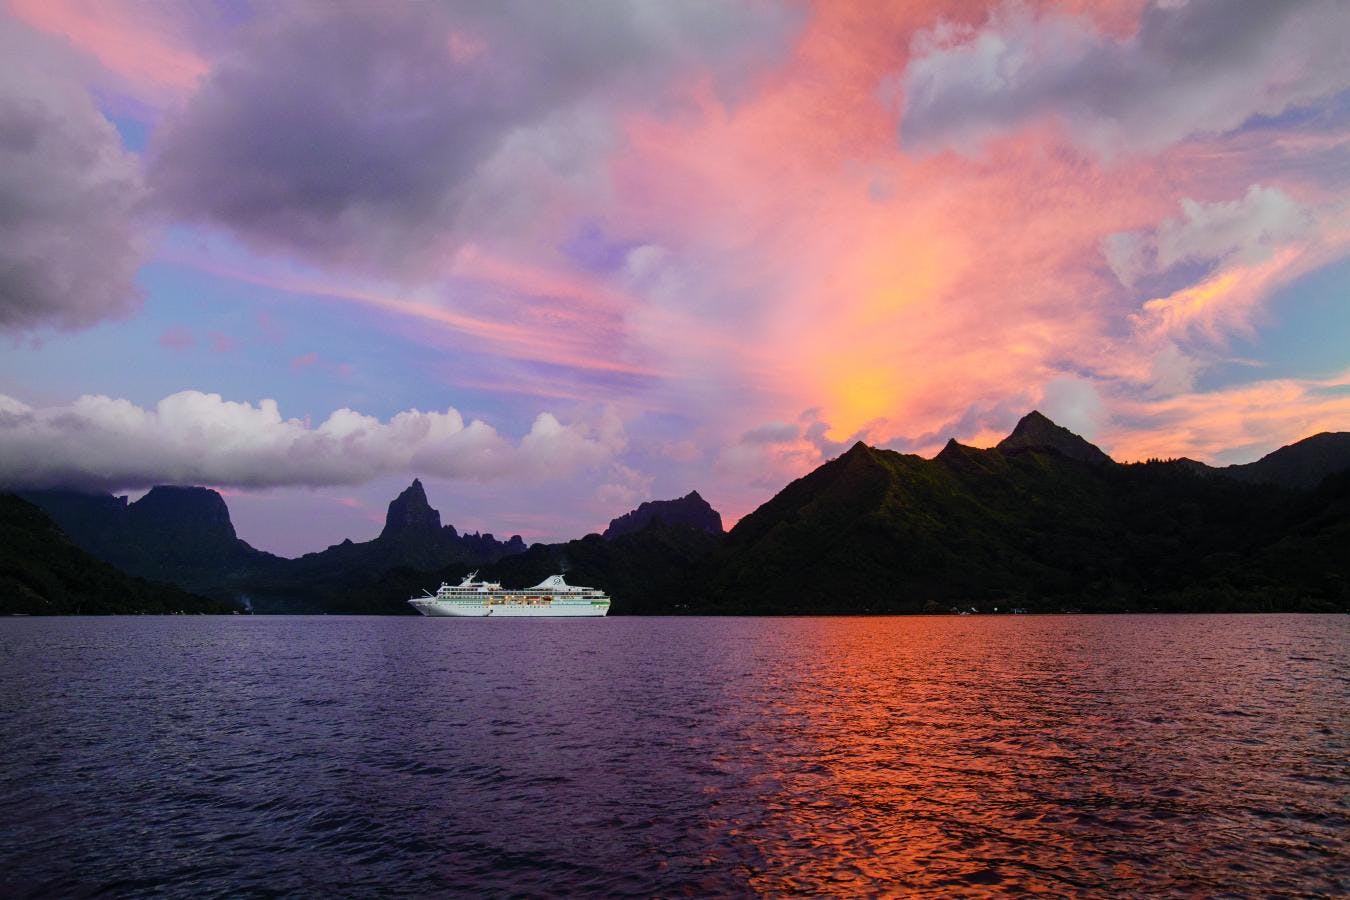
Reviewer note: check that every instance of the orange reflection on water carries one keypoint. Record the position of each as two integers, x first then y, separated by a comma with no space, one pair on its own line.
975,755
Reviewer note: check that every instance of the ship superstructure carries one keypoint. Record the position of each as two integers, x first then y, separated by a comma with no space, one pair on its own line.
551,597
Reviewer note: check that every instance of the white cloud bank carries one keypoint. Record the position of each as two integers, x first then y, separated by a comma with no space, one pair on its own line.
196,438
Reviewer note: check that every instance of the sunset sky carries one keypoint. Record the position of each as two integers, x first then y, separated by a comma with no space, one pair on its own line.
557,259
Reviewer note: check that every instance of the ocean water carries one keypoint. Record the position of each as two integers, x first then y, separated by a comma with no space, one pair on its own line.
1107,756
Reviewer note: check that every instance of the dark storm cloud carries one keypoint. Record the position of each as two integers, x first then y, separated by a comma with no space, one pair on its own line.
354,132
69,234
1204,66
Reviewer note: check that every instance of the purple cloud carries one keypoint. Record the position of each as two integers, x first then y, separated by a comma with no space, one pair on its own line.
70,234
594,250
353,133
179,337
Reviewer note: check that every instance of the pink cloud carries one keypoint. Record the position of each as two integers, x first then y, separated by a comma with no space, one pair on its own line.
1230,299
681,451
179,337
781,253
131,40
1230,425
222,342
899,310
465,48
270,331
476,263
796,259
498,330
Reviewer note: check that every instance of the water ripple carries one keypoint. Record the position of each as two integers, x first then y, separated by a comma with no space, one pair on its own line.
365,756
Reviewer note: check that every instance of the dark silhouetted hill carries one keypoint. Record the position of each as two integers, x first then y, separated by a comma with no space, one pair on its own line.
1300,465
43,573
1043,521
645,573
647,560
412,537
410,514
691,510
1035,432
184,535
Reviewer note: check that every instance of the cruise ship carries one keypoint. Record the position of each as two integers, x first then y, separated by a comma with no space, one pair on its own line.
551,597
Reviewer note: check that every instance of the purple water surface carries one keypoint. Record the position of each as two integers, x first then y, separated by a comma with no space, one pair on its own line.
251,756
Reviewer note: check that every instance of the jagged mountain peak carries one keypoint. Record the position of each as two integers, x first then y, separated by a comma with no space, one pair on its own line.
1035,431
859,454
410,512
954,449
859,457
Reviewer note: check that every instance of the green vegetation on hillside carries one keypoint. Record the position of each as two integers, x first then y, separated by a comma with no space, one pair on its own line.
879,531
43,573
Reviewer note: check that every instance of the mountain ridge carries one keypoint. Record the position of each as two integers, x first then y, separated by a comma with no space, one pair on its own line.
1043,519
1027,523
1302,464
691,509
184,535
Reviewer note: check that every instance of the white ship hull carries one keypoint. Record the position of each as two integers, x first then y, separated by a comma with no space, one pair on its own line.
551,598
458,609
